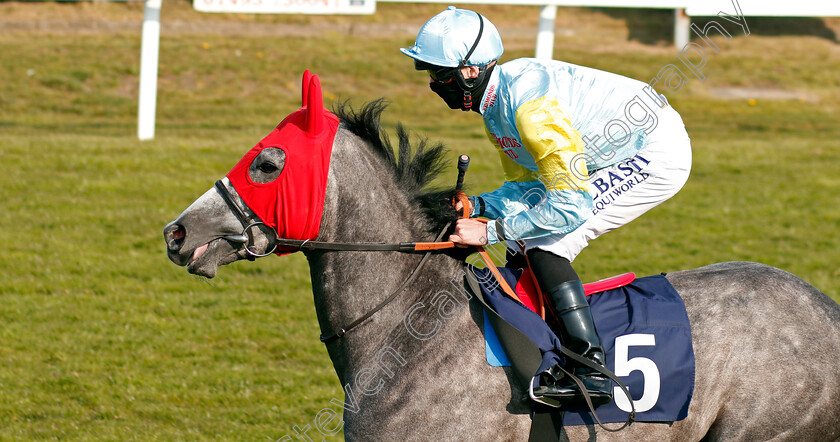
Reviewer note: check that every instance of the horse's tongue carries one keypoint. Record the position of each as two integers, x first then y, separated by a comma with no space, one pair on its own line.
198,252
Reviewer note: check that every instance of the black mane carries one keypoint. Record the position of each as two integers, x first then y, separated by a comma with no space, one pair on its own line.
414,169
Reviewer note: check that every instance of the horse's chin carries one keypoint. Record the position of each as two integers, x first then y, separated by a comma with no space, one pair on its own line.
207,259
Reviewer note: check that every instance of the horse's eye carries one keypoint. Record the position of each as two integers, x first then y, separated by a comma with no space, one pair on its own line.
267,168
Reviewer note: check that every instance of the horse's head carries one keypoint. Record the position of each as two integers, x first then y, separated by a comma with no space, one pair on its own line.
276,190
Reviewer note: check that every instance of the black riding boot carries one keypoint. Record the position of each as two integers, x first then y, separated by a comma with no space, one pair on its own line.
577,333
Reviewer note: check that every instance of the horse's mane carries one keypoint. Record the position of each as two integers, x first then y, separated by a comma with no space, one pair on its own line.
414,169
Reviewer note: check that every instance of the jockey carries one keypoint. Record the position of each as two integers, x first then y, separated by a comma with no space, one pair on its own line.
583,151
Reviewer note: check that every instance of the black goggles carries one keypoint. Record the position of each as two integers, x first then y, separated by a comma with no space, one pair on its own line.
444,75
439,74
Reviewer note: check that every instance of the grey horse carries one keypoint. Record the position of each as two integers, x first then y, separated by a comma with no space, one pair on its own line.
767,344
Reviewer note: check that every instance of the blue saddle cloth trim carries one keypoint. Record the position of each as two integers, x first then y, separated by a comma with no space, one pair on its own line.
519,316
649,307
492,347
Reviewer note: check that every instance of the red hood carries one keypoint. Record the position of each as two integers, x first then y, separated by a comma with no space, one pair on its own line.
293,203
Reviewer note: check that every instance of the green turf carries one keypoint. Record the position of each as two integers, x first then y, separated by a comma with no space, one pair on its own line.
103,338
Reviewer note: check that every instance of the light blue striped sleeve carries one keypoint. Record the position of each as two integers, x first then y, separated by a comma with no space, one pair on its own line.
527,212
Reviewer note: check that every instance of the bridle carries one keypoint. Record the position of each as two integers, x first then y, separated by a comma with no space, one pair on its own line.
248,223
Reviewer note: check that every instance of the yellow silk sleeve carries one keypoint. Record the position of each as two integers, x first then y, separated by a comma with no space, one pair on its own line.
513,171
546,132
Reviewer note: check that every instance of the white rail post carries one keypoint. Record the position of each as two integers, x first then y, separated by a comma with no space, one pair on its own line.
682,22
150,47
545,32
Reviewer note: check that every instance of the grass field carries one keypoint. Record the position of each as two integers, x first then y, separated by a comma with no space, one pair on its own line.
101,337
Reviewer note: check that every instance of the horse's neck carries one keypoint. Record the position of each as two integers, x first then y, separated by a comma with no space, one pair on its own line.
363,204
423,351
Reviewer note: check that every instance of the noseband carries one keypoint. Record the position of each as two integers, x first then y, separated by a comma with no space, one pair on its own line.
247,223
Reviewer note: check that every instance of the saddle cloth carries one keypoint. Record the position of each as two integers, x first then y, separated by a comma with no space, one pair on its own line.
645,333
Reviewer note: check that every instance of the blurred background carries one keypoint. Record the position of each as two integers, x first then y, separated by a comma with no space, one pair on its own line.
102,337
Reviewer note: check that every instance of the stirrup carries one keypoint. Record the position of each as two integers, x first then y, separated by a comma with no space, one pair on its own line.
553,403
584,392
557,376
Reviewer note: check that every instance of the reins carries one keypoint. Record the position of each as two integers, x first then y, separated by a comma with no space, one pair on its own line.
343,330
405,247
307,244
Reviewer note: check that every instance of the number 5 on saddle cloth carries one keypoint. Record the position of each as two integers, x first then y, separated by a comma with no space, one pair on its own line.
644,330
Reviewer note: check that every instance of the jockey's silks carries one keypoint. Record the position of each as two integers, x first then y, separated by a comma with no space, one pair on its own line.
554,123
293,203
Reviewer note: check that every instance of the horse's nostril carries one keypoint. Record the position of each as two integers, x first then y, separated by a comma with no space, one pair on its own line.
174,235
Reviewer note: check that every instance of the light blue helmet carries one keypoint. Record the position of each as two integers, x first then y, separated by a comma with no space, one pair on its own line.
446,39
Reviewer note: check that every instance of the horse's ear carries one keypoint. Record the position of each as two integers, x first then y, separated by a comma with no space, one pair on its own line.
307,78
314,107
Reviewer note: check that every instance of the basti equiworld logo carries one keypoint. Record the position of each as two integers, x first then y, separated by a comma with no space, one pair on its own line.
613,183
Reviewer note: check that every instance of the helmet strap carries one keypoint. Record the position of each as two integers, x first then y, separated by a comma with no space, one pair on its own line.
469,87
459,77
475,44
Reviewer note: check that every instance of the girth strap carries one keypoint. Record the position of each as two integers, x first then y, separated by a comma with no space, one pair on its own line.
525,357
